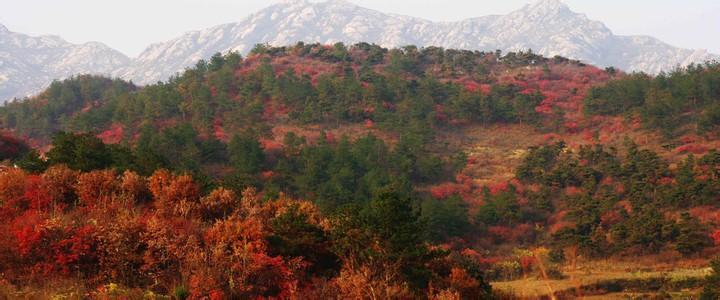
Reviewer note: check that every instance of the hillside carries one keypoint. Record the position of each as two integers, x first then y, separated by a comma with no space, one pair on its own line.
459,168
549,27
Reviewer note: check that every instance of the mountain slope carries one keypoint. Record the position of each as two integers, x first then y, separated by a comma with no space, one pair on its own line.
548,27
28,64
488,154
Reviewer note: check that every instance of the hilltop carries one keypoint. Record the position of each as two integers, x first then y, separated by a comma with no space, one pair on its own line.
549,27
459,168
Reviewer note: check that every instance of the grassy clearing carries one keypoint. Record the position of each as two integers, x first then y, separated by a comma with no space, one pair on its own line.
594,277
691,294
499,149
496,150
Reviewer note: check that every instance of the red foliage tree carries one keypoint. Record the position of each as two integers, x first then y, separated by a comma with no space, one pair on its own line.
36,194
29,231
114,135
526,263
716,237
500,233
77,253
445,190
498,188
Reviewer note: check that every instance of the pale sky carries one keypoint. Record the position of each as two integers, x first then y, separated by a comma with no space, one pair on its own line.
131,25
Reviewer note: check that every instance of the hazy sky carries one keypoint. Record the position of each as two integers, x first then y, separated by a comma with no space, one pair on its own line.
131,25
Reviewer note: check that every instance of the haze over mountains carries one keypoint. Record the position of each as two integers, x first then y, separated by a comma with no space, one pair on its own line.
548,27
27,64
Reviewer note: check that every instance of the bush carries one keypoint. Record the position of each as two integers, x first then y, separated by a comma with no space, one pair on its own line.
505,270
181,292
712,282
556,255
555,273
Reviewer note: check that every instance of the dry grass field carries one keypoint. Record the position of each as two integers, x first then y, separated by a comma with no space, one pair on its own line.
682,276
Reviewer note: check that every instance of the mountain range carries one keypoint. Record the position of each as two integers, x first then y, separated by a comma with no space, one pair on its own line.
27,64
548,27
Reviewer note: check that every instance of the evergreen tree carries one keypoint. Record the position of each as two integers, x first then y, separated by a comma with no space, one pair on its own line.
294,236
148,157
445,219
391,221
692,235
32,162
246,154
711,289
83,152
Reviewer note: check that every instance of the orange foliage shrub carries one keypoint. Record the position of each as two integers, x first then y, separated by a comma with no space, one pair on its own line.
62,180
12,187
176,195
133,187
463,283
167,243
370,283
97,187
121,250
238,247
218,204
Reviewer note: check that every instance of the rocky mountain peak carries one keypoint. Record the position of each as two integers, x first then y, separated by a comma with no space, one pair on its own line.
547,6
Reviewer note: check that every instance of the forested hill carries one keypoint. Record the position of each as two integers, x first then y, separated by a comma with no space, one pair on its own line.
483,156
337,85
316,84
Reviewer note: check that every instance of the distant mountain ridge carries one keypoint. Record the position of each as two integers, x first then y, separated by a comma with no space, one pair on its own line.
548,27
27,64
